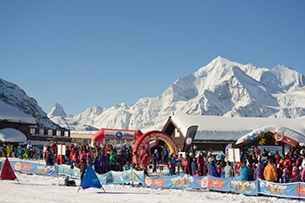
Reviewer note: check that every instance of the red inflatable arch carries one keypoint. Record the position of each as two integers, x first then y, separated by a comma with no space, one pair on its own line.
110,133
146,137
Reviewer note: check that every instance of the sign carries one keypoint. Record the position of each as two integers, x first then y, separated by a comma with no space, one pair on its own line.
234,155
287,140
125,135
190,135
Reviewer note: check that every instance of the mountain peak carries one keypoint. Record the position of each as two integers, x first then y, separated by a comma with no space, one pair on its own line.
57,110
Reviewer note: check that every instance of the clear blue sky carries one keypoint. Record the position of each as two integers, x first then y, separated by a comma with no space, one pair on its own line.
99,53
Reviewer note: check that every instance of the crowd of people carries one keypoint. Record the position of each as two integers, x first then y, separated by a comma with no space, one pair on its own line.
264,165
25,151
257,164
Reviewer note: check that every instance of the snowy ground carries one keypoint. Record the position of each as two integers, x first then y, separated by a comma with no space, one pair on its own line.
35,188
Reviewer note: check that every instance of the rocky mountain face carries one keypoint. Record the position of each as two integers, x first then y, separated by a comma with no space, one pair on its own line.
222,87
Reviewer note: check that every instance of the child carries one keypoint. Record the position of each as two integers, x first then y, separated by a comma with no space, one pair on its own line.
197,173
69,182
170,166
127,166
285,176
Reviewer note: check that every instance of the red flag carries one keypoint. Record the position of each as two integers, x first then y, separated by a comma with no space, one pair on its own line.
7,171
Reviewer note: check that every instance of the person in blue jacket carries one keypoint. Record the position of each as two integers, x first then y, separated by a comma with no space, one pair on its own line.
213,169
194,166
244,172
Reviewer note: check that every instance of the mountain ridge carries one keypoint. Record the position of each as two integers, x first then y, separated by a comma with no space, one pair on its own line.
221,87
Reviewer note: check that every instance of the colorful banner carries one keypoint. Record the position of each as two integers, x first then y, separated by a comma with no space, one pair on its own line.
176,181
291,190
244,187
68,171
29,167
286,190
120,177
219,184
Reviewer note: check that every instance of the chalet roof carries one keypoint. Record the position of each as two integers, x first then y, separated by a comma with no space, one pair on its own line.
12,135
11,114
237,128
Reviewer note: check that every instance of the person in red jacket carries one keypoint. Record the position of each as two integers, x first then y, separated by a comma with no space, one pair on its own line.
277,158
288,163
185,164
145,160
200,163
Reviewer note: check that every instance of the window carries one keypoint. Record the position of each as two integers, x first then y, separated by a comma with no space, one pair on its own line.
66,134
41,131
32,131
50,132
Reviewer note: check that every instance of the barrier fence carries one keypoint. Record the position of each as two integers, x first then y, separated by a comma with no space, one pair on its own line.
251,188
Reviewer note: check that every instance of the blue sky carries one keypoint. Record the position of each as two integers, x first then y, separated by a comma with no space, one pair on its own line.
99,53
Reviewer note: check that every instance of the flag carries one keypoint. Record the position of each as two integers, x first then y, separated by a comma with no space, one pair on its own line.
90,179
7,171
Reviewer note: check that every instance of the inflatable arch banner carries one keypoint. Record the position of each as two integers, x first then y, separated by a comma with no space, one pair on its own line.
146,137
118,134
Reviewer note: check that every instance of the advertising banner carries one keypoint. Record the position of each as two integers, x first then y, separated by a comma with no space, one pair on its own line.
120,177
219,184
66,170
244,187
28,167
292,190
286,190
176,181
114,134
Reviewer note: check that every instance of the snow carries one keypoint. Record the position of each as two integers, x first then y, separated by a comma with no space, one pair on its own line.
10,113
12,135
228,128
37,188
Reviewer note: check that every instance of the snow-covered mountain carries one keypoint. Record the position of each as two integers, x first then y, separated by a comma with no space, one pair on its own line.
222,87
13,98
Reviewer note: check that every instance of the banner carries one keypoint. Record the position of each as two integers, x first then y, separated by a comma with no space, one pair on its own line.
176,181
219,184
291,190
68,171
286,190
29,167
244,187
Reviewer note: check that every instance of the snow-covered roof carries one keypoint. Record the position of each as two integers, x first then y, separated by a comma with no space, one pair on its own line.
12,135
10,113
235,128
280,130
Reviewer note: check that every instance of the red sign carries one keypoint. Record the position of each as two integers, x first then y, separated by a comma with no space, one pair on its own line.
282,138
